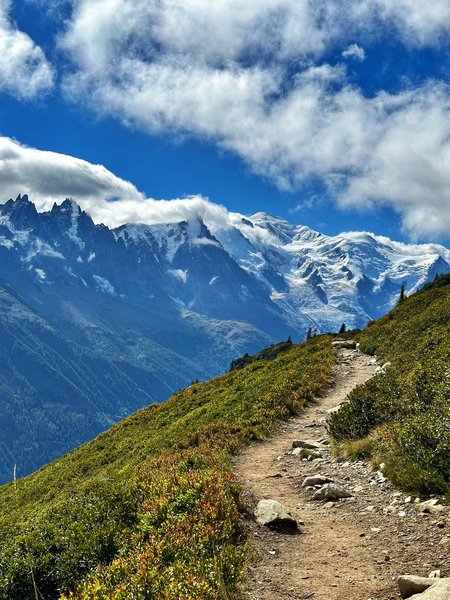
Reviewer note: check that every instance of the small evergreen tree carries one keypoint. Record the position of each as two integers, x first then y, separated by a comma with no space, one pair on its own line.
343,329
403,296
309,334
289,341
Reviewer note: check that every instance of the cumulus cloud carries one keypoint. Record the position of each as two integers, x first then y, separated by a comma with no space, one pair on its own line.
417,24
48,176
24,69
404,171
355,51
251,78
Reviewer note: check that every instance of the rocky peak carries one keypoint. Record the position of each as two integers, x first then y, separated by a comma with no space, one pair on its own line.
21,212
68,207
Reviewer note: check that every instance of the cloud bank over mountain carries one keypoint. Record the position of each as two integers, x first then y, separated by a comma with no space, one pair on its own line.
272,84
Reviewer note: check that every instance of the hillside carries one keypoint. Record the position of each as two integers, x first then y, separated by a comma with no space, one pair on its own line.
96,323
402,417
152,499
150,508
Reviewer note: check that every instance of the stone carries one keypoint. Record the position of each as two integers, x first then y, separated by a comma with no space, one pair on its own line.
424,588
331,491
307,444
409,585
430,506
306,454
435,574
440,590
274,515
346,344
316,480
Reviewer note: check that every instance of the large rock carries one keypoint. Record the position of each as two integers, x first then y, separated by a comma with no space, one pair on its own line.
331,491
347,344
431,506
273,514
409,585
424,588
316,480
307,444
438,591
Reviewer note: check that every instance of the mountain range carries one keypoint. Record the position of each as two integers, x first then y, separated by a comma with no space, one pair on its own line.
97,322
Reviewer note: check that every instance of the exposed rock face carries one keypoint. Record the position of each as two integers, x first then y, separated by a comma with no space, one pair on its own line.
274,515
410,585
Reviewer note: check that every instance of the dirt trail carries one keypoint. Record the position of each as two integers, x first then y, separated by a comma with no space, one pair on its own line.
350,549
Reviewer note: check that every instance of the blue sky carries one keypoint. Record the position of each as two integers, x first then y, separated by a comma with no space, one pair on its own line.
331,114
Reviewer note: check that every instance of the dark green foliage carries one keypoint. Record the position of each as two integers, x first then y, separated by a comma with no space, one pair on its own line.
68,539
268,353
343,329
406,410
368,407
150,504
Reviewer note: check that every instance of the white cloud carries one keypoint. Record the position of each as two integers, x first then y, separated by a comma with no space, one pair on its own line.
418,23
403,165
49,177
250,77
354,51
24,69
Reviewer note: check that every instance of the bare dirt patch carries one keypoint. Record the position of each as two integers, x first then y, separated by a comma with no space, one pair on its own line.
349,549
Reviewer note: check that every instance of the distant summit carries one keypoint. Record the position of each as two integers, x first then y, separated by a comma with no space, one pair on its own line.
97,322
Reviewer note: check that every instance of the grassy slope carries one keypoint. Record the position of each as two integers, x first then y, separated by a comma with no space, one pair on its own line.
402,418
149,509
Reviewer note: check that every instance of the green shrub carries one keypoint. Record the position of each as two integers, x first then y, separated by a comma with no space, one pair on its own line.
406,411
149,509
368,406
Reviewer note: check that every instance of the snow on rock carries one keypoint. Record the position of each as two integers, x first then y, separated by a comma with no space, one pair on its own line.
260,269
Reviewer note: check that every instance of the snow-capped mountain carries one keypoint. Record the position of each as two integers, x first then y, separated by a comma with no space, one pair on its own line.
259,270
353,277
97,322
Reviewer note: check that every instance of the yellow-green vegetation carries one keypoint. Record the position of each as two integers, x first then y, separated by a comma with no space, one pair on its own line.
402,417
149,509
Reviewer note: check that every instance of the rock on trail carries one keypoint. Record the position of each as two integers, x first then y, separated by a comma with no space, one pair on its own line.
273,514
424,588
352,547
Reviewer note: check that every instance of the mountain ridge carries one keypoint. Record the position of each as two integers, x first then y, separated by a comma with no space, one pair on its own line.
146,309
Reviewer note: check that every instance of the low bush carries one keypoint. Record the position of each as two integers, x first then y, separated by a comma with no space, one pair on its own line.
402,417
149,509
